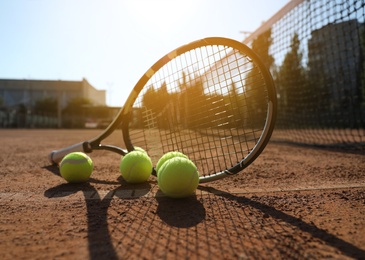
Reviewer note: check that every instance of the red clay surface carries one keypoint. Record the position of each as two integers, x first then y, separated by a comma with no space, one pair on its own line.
293,202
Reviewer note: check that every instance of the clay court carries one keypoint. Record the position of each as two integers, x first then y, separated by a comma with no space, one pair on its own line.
216,100
293,202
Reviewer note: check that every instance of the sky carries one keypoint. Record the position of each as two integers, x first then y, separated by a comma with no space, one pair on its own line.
112,43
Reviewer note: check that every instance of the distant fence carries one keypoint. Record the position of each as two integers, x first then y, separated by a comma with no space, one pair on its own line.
12,119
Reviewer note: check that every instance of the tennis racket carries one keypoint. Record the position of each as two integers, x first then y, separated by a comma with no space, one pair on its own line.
212,99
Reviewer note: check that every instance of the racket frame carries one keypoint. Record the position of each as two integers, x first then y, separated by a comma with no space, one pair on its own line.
123,117
272,102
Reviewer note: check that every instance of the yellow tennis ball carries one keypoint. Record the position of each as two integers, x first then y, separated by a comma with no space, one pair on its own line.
178,177
136,167
137,148
168,156
76,167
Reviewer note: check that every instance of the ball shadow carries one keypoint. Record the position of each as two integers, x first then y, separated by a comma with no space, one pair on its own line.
181,213
131,191
53,169
67,189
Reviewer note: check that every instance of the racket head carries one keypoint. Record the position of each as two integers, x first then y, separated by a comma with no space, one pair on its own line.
213,100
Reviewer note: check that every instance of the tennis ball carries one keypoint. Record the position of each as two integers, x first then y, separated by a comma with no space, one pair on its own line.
178,177
137,148
76,167
168,156
136,167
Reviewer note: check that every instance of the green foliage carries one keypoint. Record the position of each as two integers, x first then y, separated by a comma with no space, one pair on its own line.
256,105
261,46
362,67
190,107
291,79
22,109
46,105
76,106
75,113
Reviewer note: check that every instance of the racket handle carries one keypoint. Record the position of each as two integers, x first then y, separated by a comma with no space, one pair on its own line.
56,157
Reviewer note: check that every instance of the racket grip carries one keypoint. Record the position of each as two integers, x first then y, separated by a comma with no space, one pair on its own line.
56,157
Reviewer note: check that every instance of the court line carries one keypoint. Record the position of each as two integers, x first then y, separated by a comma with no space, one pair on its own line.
154,192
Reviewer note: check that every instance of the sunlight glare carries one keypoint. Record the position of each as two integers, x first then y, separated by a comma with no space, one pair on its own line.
160,15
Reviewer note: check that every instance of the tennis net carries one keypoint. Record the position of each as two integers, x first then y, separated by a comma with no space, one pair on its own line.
315,50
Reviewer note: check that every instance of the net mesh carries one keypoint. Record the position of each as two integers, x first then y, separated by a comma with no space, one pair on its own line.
315,50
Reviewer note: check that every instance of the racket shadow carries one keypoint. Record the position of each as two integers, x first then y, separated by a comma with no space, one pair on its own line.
99,239
180,213
345,247
56,171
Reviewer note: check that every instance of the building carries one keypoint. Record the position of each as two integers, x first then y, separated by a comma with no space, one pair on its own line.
334,61
18,99
15,92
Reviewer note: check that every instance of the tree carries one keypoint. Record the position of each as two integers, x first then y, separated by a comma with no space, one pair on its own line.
261,45
46,105
149,98
156,104
238,105
292,78
361,106
73,114
76,106
256,103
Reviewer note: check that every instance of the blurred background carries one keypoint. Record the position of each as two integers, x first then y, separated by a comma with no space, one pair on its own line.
71,64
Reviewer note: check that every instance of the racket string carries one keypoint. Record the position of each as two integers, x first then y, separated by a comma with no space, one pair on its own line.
209,103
